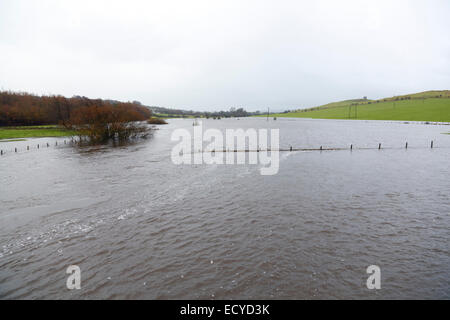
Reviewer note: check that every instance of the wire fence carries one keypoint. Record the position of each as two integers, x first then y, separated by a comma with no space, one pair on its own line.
71,142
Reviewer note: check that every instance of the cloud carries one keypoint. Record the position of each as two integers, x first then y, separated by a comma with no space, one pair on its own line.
210,55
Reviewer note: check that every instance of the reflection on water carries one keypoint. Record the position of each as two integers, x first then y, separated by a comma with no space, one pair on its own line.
140,227
85,148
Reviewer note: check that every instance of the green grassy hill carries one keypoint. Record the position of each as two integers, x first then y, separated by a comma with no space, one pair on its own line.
424,106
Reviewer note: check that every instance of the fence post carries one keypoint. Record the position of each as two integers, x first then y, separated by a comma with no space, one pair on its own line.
379,146
406,146
431,144
15,149
351,147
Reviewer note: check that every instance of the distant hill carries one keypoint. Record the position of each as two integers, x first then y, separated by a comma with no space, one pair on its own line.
422,106
342,103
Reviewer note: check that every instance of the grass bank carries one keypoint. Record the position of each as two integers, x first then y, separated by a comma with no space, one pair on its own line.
34,132
415,109
171,116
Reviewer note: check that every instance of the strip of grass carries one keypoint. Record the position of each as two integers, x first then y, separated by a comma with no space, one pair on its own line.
13,140
34,132
431,109
171,116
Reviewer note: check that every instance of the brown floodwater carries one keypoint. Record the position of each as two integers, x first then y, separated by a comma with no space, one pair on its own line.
141,227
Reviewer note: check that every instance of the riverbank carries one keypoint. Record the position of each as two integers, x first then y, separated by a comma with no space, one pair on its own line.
172,116
34,132
425,110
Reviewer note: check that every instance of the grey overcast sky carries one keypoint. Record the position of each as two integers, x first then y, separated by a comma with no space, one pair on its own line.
211,55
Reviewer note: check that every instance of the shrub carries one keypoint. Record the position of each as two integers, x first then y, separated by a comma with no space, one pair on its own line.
154,120
102,123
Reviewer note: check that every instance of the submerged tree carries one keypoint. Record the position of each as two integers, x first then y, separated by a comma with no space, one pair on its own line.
102,123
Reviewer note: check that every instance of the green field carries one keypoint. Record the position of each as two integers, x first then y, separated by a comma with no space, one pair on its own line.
419,107
34,132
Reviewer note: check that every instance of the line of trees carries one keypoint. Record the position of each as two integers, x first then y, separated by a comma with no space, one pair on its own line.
178,113
23,109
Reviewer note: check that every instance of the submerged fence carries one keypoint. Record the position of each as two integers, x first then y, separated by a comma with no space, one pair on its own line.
38,146
290,149
321,148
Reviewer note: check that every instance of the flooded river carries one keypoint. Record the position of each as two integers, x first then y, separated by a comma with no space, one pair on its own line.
141,227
